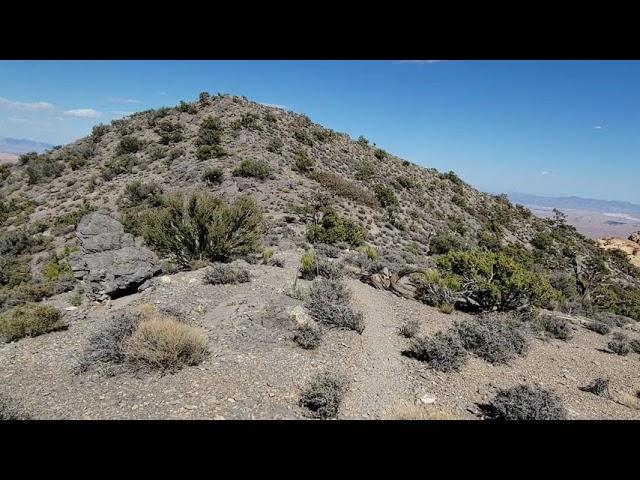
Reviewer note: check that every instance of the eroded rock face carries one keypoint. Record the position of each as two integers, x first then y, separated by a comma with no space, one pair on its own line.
635,237
108,259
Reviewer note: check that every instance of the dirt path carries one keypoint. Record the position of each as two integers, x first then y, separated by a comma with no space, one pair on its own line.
380,379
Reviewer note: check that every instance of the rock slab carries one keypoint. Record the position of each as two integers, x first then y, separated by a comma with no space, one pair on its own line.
108,259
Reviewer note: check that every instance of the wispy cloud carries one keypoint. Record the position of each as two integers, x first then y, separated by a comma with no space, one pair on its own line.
275,105
18,120
162,93
32,106
123,100
598,127
83,113
544,172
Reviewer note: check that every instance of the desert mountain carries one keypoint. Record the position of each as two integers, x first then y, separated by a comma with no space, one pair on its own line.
295,271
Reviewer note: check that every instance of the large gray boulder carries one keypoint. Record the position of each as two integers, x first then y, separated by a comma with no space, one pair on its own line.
108,259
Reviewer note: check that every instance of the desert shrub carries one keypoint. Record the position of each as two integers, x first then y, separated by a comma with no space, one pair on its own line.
333,229
307,265
75,299
202,226
329,303
446,308
221,274
73,217
266,254
57,267
187,107
324,395
496,281
555,327
406,181
619,344
364,170
99,131
302,163
247,120
108,344
598,327
344,188
612,319
380,154
30,320
166,344
252,168
129,144
303,137
635,345
494,338
204,98
409,328
525,403
452,177
207,152
599,386
11,409
443,243
412,411
436,289
443,352
386,198
41,168
169,132
275,145
362,140
213,176
137,193
371,252
5,171
307,335
119,165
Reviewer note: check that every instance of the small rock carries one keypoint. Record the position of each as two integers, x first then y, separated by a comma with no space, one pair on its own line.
70,309
219,417
427,399
165,279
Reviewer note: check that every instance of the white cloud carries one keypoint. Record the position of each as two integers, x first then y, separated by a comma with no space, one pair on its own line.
163,93
18,120
544,172
83,113
275,105
123,100
598,127
33,106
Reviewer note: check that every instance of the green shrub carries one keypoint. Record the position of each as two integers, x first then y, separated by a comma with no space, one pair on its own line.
207,152
202,227
30,320
362,140
118,166
213,176
187,107
56,268
302,163
99,131
303,137
364,170
252,168
619,344
344,188
409,328
247,120
129,144
307,265
380,154
555,327
333,229
386,197
169,132
307,335
496,281
275,145
5,171
138,193
444,242
210,132
41,168
221,274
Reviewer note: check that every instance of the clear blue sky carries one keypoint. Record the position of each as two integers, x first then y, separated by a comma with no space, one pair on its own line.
548,128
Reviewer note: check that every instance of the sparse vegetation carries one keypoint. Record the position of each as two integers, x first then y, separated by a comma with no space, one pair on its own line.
11,409
525,403
213,176
494,338
221,274
333,229
409,328
302,162
329,303
598,327
324,395
555,327
443,352
344,188
202,226
129,144
30,320
619,344
252,169
307,335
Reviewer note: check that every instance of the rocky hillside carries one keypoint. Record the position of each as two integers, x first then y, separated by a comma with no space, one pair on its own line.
224,259
630,246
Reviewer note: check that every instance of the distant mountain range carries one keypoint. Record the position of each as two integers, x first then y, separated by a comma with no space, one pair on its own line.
18,146
575,203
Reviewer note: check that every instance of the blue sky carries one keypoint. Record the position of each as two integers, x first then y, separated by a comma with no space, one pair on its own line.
543,127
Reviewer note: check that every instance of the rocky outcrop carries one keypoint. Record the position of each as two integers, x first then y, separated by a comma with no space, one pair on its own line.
635,237
108,260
